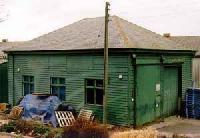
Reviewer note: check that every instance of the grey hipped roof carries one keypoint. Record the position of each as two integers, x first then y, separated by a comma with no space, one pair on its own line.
89,34
188,42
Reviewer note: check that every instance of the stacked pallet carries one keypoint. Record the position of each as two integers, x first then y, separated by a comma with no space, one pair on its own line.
193,103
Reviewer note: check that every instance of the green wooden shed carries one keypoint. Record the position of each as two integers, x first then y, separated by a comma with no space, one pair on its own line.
3,78
148,74
4,69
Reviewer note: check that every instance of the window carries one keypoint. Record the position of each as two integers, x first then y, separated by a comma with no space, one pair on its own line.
28,84
94,91
58,87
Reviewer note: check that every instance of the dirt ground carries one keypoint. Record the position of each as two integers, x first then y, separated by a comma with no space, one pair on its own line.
8,135
172,127
179,126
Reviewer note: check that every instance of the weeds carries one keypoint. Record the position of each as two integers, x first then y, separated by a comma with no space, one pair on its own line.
85,129
24,127
41,129
80,129
29,128
10,127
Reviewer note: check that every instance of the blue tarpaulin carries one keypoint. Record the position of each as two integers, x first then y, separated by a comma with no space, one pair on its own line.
40,106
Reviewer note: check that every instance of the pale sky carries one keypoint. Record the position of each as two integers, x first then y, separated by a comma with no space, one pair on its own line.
28,19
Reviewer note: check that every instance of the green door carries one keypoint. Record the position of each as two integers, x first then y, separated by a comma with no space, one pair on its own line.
147,94
170,96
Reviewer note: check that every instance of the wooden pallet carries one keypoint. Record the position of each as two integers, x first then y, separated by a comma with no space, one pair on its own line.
64,118
3,107
86,115
16,112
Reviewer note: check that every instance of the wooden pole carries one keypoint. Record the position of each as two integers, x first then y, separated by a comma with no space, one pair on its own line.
105,64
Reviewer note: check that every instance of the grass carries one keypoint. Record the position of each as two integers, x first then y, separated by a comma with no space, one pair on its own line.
31,128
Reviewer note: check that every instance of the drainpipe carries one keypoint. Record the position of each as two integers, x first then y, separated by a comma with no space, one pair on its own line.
13,66
135,90
162,87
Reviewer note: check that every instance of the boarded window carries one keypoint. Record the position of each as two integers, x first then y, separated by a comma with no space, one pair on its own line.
28,85
58,87
94,91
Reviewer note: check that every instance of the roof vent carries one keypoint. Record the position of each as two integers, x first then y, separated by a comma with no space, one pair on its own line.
4,40
166,34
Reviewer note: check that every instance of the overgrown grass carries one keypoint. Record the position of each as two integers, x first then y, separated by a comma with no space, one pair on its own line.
31,128
10,127
85,129
24,127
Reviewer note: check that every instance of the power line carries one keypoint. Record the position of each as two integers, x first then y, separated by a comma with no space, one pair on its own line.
173,8
179,13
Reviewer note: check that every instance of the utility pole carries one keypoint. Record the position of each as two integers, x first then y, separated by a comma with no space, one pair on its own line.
105,64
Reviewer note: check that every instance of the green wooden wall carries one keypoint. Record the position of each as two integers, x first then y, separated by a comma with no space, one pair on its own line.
186,70
146,96
78,67
75,69
3,82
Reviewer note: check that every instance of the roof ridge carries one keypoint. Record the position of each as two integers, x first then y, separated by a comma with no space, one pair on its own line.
121,32
126,37
138,26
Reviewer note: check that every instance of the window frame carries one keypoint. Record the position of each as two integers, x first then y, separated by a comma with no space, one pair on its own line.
95,91
29,82
58,85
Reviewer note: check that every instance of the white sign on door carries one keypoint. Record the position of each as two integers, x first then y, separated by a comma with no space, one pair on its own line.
158,87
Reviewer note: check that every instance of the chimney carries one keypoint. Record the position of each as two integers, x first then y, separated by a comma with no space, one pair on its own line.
4,40
166,35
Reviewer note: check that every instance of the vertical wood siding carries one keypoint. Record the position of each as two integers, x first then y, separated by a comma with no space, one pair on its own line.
186,75
196,72
186,70
10,80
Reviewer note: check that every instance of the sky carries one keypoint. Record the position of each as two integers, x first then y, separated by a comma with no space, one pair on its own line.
28,19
